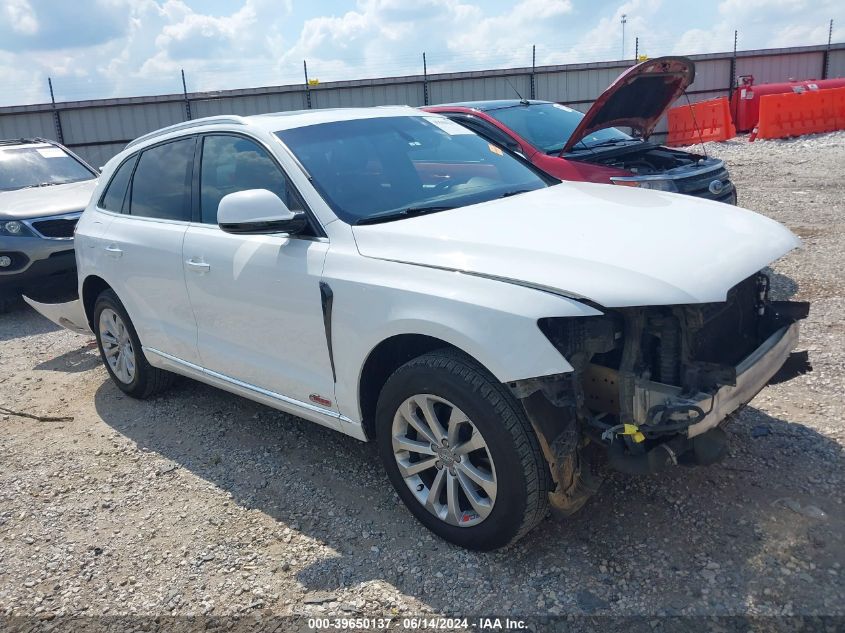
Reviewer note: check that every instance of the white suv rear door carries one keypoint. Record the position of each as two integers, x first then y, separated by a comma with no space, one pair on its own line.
142,246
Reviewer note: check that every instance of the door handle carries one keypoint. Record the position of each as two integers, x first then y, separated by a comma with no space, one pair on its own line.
114,250
197,265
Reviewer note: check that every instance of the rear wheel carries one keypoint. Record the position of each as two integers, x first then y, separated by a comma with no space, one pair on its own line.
121,351
460,452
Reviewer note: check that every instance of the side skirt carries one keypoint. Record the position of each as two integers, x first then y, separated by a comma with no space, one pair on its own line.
310,412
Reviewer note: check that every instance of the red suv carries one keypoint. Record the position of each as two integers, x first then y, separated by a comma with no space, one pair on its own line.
588,147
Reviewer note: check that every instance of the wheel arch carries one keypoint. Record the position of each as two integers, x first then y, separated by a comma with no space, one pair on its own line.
382,361
92,287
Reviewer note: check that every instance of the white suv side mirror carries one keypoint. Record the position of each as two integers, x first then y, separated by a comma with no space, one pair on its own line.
258,211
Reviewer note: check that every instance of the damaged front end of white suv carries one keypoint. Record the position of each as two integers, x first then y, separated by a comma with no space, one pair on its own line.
652,386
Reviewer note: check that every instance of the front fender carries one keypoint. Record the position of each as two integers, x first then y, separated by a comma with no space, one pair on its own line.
493,321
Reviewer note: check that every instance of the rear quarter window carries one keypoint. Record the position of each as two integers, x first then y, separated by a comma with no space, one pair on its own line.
115,194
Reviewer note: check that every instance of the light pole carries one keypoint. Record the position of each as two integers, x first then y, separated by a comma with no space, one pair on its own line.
623,20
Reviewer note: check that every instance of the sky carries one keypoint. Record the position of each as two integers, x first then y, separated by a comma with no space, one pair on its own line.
107,48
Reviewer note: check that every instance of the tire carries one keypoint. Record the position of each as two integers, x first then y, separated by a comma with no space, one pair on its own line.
452,386
143,380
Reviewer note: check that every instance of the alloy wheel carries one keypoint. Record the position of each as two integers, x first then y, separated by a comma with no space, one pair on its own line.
117,346
444,460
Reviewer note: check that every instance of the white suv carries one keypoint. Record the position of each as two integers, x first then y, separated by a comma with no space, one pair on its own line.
389,274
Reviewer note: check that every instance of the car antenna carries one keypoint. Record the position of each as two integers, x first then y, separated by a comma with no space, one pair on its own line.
522,99
695,124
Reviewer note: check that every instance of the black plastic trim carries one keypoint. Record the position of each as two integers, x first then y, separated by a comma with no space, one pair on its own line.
326,301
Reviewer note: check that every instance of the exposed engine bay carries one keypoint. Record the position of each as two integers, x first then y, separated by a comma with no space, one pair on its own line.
652,385
648,160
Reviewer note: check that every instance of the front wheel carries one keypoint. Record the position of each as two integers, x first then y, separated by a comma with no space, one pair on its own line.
121,351
460,452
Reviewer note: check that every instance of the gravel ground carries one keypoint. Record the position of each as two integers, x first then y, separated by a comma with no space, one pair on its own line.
198,502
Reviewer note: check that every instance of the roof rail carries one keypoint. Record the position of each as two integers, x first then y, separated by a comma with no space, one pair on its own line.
186,125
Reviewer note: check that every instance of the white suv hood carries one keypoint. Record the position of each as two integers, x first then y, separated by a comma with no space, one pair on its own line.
616,246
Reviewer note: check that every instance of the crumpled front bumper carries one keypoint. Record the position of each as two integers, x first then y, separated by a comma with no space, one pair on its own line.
752,374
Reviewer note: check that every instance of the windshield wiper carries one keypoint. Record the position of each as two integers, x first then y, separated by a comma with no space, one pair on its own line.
401,214
610,141
515,192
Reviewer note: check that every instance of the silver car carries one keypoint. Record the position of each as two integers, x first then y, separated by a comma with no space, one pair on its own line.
43,189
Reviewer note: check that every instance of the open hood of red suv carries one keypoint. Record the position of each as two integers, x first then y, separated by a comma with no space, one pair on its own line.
638,98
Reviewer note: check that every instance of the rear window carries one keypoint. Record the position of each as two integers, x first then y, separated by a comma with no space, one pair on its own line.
161,187
39,166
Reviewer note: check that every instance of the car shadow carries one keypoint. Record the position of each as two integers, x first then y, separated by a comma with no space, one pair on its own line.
81,359
690,541
20,320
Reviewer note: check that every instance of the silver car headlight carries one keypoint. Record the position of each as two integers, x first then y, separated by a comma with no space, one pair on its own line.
646,182
14,228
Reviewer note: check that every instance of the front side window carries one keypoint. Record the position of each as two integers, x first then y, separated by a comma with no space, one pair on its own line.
161,186
368,169
115,195
234,163
548,126
39,166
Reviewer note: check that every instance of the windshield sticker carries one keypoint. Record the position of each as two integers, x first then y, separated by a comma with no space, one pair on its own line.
495,150
51,152
563,107
447,125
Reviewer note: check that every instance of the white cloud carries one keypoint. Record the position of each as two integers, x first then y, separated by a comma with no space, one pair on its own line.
104,48
21,17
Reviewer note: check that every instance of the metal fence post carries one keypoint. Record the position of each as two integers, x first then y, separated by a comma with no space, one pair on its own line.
425,81
732,83
57,119
185,94
826,55
533,70
307,85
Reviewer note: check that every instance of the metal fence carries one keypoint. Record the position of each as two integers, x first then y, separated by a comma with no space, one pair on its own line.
98,129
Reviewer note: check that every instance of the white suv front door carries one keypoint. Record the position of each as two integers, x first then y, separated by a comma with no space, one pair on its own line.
256,298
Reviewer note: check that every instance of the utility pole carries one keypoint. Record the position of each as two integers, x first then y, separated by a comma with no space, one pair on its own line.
185,94
624,21
57,120
636,49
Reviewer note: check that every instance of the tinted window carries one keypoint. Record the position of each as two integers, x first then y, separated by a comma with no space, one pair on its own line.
373,167
115,194
161,187
548,126
234,163
39,166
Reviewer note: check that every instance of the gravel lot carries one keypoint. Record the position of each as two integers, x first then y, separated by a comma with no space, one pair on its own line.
198,502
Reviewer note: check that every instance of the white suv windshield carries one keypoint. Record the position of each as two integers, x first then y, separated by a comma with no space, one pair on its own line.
38,166
379,169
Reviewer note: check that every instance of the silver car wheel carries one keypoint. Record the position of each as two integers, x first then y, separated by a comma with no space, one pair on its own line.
444,460
117,346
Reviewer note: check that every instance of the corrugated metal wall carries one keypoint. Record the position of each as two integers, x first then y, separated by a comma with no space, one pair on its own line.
97,130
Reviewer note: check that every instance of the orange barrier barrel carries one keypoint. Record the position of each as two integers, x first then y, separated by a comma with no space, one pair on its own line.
795,114
703,121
